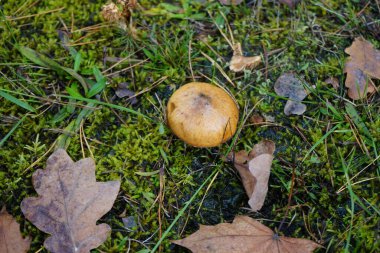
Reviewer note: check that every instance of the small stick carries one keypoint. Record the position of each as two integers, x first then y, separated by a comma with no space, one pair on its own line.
160,201
80,138
34,15
191,67
88,146
266,60
219,68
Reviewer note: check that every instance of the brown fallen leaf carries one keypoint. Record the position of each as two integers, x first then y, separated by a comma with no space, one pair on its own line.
256,119
363,64
333,81
11,240
123,91
290,3
254,169
69,204
288,85
244,235
259,166
240,160
230,2
239,62
261,148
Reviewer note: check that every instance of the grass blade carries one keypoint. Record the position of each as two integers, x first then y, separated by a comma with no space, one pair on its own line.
77,62
46,62
351,111
6,137
16,101
99,85
63,141
118,107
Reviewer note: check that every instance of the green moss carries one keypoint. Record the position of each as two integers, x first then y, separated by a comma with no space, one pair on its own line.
133,149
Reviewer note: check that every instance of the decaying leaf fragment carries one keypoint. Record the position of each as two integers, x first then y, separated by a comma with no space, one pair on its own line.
239,62
288,85
69,204
256,119
363,64
333,81
120,16
244,235
131,4
123,91
11,240
254,169
111,12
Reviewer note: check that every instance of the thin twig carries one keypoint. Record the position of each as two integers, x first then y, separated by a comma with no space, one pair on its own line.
34,15
191,66
265,60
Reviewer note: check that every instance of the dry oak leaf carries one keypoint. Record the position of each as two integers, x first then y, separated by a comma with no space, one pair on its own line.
254,169
239,62
363,64
11,240
244,235
70,202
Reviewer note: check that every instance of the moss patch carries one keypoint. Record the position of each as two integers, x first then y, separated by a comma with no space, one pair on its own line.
324,148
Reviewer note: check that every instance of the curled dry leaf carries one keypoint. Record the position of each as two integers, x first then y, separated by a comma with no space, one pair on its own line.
287,85
241,159
69,204
254,169
259,167
230,2
11,240
363,64
239,62
244,235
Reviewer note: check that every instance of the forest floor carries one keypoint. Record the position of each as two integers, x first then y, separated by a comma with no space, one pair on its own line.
325,177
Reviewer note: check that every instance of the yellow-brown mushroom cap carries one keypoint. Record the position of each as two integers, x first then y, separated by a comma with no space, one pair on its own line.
202,115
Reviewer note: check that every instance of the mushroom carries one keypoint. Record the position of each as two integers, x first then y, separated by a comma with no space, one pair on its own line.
202,114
